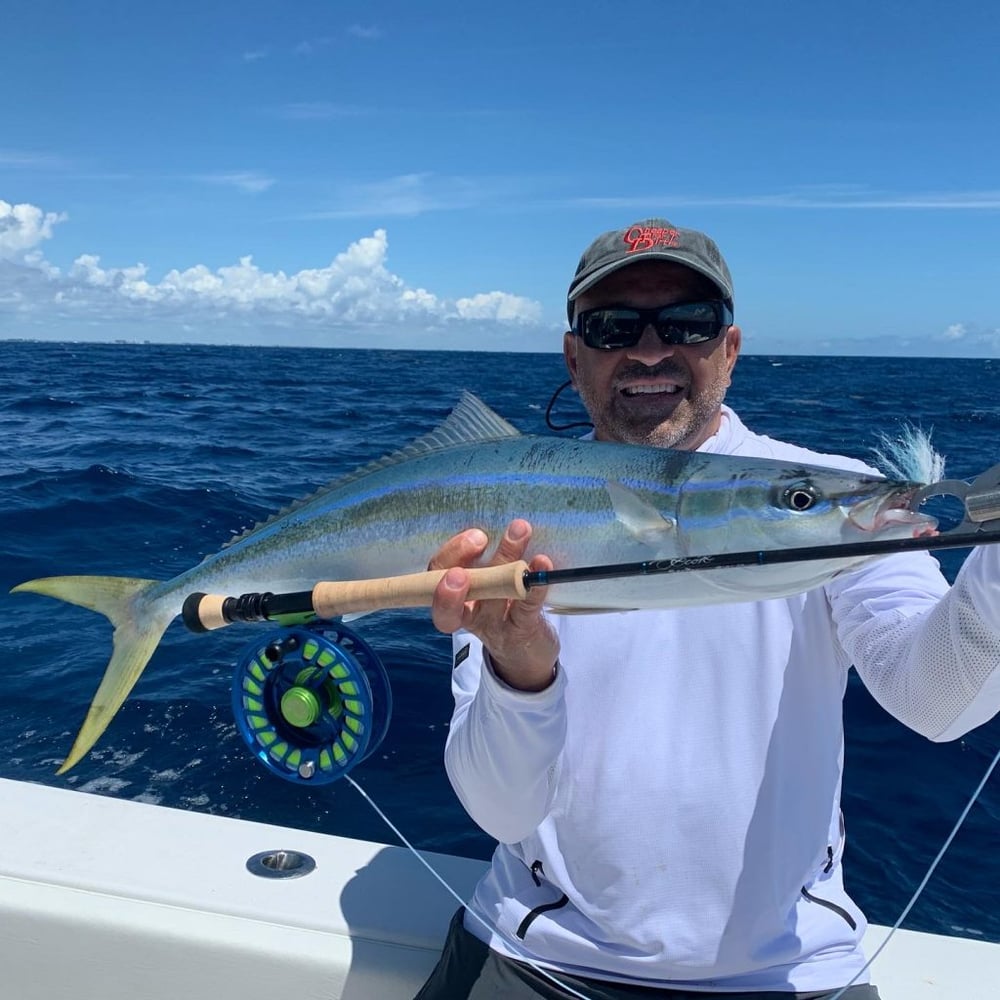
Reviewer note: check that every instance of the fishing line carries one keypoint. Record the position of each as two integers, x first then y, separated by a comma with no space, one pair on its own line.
345,683
461,902
836,996
930,872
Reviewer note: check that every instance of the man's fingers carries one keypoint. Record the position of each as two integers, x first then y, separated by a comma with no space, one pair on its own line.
535,597
462,549
451,608
448,607
513,543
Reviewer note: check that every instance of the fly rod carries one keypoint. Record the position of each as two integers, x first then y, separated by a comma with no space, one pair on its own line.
330,599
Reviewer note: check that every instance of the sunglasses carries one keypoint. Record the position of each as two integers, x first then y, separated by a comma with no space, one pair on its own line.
611,328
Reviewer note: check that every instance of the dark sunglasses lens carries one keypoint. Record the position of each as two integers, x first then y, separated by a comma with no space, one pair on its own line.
609,329
689,323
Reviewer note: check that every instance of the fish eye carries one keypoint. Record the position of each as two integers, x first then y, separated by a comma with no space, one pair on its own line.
800,497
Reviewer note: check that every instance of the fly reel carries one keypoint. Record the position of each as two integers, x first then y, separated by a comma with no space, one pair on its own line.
311,701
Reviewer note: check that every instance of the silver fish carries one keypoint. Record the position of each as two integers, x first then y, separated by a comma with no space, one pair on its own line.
589,503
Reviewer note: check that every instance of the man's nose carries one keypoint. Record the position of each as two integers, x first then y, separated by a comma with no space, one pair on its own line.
649,346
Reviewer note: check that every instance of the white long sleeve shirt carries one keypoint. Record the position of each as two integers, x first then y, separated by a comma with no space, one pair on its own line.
668,810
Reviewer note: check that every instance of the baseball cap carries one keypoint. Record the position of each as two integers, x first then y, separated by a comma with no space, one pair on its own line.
650,239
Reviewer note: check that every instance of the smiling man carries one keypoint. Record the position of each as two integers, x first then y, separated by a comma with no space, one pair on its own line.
664,785
652,344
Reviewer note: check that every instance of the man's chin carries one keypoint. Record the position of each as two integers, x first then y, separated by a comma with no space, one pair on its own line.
656,431
645,413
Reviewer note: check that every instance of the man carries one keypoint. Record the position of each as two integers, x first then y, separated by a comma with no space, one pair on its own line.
665,785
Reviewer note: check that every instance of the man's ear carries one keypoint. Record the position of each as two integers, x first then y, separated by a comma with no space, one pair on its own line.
734,341
570,344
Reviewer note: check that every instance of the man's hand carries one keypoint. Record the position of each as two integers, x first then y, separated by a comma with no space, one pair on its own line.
522,645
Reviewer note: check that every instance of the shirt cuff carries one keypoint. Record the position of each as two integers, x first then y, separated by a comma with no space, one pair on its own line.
502,693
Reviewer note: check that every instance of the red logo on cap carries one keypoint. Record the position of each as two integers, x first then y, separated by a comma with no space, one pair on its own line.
646,237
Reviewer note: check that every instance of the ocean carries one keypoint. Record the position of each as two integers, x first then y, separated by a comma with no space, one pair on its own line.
140,459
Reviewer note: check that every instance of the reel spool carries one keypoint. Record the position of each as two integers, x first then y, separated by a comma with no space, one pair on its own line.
311,701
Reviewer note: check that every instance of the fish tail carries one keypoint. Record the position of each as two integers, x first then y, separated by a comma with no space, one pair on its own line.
137,633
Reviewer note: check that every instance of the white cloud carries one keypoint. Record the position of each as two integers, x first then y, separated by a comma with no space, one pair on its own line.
355,287
17,159
367,32
831,196
246,180
309,46
970,338
411,195
318,111
23,227
500,306
355,291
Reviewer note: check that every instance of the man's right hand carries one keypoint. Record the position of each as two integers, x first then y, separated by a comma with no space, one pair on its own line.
523,646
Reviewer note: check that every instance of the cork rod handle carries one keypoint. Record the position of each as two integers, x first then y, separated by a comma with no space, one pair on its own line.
415,590
206,612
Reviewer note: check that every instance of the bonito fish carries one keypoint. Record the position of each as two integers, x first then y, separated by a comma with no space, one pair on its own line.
589,503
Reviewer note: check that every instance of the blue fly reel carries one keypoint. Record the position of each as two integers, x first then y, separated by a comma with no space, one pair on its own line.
311,701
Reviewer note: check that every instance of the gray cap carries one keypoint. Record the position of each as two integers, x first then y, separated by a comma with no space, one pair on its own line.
650,239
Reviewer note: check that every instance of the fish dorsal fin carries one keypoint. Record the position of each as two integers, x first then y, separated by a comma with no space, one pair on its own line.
471,422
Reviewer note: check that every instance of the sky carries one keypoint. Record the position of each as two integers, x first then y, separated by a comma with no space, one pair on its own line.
403,175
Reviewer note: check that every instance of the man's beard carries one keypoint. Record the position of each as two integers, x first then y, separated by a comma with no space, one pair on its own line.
675,427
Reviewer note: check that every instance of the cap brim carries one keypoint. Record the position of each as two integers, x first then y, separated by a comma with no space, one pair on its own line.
601,273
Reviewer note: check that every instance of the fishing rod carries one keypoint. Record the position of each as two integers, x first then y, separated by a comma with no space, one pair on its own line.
332,599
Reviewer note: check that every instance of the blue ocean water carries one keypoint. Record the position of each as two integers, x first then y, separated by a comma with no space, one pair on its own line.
138,460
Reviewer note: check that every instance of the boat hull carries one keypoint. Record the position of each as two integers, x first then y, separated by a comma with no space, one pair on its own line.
121,900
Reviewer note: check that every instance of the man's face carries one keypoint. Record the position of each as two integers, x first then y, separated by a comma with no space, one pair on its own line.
653,393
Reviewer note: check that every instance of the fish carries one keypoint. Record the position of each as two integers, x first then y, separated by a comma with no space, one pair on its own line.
589,502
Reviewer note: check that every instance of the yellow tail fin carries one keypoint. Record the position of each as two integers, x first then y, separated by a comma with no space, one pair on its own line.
135,637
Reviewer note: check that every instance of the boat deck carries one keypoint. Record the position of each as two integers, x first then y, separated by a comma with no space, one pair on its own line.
122,900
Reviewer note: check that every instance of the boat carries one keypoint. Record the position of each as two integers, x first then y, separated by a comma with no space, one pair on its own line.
123,900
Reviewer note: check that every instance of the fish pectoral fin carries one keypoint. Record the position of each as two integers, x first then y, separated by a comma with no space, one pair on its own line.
353,616
640,519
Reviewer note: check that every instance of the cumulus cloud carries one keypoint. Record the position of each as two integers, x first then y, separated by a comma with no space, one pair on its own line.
356,290
356,287
499,306
23,227
971,339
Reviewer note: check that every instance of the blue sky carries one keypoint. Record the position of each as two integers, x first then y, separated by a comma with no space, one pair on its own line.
389,174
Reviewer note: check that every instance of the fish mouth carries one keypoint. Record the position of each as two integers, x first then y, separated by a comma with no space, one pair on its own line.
882,513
